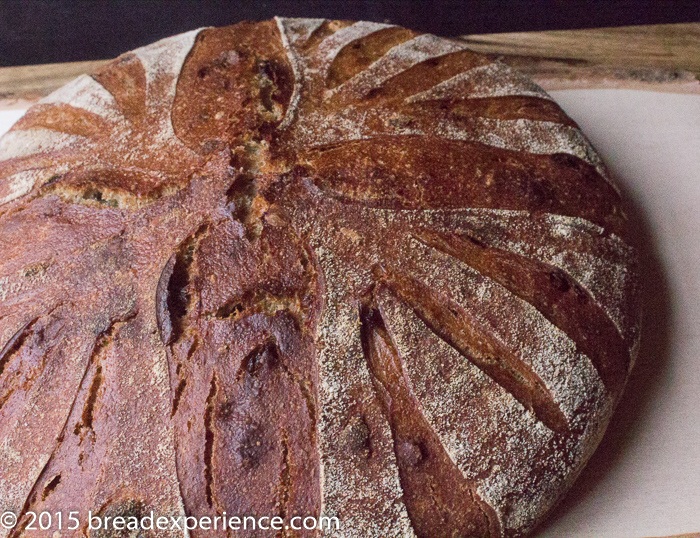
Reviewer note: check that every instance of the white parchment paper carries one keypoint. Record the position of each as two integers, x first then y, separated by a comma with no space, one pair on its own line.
645,478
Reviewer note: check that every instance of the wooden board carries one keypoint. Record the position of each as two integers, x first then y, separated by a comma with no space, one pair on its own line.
662,57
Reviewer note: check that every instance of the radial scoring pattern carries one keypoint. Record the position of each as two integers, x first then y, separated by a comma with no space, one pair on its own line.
307,267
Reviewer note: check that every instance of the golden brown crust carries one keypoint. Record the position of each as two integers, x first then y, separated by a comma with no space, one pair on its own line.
305,267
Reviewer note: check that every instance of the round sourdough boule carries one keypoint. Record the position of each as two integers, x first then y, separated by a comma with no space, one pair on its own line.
305,267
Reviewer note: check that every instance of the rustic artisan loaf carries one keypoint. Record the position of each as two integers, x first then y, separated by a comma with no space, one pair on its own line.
306,266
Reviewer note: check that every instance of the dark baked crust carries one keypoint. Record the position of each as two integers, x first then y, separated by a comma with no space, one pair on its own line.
304,266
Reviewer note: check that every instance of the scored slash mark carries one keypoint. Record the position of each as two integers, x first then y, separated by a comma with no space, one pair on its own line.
456,327
436,493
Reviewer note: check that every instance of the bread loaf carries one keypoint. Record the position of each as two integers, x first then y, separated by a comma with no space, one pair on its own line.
305,267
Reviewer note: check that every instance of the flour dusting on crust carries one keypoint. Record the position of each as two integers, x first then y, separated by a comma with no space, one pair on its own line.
372,292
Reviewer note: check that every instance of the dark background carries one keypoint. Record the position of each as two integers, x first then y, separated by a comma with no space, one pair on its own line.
46,31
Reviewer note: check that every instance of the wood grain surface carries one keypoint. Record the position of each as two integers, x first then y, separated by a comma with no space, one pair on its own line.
690,535
663,57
